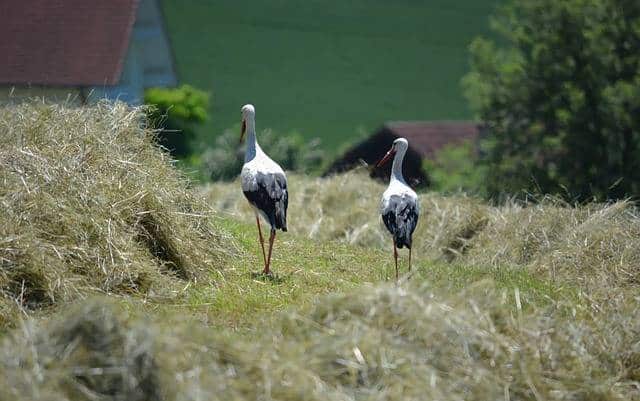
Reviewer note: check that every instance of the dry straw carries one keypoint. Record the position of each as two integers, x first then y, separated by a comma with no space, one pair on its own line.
384,343
89,204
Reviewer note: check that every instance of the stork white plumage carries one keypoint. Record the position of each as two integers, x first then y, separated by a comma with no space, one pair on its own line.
264,184
399,206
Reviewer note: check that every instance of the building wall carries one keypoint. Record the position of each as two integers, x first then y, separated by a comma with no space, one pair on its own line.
16,94
153,46
149,61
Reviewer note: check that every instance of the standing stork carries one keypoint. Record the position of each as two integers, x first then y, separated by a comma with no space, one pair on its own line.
263,184
399,206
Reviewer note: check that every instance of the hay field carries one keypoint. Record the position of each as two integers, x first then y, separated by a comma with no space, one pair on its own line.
599,243
410,342
119,281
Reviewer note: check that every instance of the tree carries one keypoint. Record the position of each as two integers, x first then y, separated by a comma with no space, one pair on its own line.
176,111
454,168
560,94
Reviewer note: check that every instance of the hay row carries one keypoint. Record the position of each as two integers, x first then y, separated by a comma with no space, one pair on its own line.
388,342
592,243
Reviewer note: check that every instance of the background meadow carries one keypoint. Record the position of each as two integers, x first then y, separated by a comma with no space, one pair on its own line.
334,70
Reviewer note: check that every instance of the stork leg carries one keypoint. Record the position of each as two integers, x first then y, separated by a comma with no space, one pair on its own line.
395,257
409,259
272,238
264,255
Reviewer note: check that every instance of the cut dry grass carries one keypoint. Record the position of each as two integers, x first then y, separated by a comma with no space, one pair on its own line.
387,342
591,244
518,302
90,204
594,245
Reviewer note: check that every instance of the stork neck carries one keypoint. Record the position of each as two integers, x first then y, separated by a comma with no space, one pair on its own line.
396,169
253,148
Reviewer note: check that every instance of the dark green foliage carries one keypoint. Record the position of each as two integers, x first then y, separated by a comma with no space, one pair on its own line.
225,159
560,93
177,111
455,168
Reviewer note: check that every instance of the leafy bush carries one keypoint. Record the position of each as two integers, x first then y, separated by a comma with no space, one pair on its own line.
455,168
560,93
177,111
224,161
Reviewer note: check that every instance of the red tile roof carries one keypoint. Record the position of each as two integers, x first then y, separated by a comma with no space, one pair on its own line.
64,42
426,137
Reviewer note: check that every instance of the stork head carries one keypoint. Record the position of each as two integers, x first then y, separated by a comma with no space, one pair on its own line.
399,145
248,112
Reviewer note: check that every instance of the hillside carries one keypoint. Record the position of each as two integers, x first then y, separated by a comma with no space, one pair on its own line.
120,281
326,68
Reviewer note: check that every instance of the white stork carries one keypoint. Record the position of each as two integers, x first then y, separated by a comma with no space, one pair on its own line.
399,206
264,184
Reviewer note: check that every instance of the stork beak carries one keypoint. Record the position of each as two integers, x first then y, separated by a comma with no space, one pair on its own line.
386,158
243,129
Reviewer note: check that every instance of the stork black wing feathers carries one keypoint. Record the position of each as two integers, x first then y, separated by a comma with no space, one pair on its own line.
400,218
272,198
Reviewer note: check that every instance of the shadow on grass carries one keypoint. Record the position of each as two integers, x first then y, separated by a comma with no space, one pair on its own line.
269,278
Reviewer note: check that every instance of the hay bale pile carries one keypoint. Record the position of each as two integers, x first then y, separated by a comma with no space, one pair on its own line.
389,342
589,244
90,204
593,246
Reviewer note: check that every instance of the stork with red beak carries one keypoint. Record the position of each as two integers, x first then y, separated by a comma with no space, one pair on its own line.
264,184
399,206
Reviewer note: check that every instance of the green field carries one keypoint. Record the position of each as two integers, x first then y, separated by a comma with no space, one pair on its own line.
327,69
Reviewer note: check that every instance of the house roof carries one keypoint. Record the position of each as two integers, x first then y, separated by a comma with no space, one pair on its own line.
427,137
64,42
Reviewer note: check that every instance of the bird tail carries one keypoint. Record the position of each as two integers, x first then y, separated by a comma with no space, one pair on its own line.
281,224
281,216
402,239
